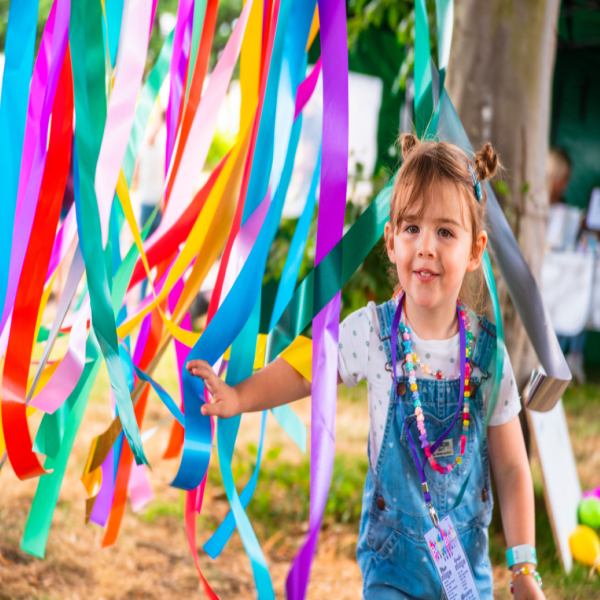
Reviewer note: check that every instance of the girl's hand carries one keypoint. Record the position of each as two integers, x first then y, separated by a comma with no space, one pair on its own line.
225,399
527,588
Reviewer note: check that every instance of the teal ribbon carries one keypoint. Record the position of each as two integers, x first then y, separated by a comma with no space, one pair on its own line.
422,73
146,103
114,17
217,542
199,14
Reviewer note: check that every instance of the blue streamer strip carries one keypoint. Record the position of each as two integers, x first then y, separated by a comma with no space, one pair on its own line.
18,66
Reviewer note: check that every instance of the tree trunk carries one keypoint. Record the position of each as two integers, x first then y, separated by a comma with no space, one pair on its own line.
500,81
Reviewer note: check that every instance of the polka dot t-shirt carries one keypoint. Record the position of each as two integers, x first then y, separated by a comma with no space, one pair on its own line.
362,357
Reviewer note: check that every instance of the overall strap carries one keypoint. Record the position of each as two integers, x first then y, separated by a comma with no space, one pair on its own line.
385,316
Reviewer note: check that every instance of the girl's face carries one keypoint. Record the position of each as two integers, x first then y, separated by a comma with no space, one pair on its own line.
433,251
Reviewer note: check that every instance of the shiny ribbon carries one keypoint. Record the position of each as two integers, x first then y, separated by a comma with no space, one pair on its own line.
121,109
18,57
88,74
334,176
23,326
35,155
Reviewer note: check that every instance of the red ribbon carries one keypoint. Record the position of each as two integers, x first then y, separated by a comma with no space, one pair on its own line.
31,285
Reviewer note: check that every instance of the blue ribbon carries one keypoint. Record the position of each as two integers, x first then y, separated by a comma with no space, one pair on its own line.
18,66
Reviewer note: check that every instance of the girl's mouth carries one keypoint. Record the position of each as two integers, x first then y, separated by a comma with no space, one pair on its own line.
425,275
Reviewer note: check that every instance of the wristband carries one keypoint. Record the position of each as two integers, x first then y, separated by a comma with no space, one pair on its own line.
521,554
524,571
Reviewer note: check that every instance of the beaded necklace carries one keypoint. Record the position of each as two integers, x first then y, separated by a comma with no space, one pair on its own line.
464,357
410,367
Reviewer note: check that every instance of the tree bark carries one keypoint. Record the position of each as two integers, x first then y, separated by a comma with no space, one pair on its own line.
500,81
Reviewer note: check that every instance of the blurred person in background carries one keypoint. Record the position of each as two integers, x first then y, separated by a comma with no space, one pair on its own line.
565,225
149,174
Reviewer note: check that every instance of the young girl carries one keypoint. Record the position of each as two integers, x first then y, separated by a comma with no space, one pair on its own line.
429,362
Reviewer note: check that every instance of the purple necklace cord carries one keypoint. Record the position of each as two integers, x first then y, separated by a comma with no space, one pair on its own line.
463,345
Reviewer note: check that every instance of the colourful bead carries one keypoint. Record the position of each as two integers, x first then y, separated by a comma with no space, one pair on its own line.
438,375
420,418
466,381
458,459
467,394
418,410
413,387
406,336
409,358
466,423
449,468
409,366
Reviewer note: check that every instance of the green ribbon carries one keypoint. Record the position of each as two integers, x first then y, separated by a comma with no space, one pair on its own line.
90,106
422,72
325,280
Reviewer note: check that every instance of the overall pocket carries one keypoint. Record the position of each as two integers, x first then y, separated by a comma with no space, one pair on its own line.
435,428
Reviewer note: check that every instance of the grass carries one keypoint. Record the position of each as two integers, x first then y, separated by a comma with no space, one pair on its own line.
152,550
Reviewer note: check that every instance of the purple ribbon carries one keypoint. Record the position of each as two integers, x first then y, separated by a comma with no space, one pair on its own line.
181,39
463,345
334,179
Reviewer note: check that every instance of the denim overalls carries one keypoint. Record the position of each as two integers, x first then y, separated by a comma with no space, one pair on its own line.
391,551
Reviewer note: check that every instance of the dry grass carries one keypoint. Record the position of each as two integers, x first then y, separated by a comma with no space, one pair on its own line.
151,558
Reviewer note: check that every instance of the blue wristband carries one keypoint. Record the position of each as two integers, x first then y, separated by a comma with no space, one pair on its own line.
521,554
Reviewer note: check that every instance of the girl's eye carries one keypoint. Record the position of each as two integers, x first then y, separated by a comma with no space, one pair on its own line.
445,233
412,229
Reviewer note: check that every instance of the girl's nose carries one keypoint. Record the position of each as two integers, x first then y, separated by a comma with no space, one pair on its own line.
427,248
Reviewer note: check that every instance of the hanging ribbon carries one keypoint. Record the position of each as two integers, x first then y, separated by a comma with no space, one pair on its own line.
18,60
23,326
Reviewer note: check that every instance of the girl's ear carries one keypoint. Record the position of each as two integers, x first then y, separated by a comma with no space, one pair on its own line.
477,252
388,236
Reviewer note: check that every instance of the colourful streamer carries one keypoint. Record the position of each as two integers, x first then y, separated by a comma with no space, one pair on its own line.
23,326
86,40
334,178
18,60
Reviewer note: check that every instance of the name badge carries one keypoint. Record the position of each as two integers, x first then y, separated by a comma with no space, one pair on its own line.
451,561
446,449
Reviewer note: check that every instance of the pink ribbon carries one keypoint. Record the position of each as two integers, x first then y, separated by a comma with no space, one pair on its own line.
203,127
133,51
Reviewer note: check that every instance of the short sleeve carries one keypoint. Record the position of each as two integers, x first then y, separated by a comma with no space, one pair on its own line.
509,404
353,346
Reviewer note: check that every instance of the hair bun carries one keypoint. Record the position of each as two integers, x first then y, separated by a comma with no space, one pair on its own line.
408,141
486,162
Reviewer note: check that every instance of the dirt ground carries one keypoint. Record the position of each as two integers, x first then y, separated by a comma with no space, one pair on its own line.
151,557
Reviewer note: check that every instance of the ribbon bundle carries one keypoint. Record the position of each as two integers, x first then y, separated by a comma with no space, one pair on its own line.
57,112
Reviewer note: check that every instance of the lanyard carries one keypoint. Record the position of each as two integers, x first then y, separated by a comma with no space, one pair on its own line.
421,466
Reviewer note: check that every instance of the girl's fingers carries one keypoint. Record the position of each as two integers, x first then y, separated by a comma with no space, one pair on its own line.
215,409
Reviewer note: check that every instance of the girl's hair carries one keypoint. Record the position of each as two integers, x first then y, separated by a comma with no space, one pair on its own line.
429,169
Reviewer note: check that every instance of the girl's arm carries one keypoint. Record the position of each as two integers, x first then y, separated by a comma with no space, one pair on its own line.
515,492
277,384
